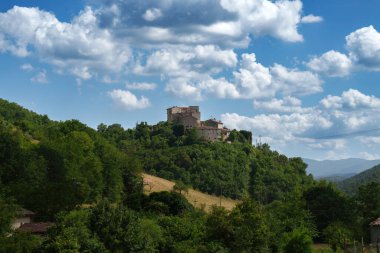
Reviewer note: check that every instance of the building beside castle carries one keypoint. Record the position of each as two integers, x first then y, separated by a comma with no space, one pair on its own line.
190,117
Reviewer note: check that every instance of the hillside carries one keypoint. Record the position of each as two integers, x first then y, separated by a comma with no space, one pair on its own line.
52,168
196,198
338,169
352,184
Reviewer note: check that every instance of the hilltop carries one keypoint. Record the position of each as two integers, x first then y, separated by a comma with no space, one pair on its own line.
352,184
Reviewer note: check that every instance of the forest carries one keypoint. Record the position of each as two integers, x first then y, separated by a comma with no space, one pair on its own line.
88,182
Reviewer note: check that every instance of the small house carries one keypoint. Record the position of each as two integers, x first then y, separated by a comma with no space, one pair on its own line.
22,216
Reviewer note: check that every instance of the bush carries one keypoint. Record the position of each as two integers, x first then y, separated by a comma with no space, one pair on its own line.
297,241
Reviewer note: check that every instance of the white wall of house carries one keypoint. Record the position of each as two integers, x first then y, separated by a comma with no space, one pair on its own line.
19,221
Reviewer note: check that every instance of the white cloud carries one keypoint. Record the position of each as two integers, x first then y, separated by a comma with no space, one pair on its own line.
27,67
263,17
295,82
40,77
180,87
286,105
311,19
80,47
220,88
336,117
152,14
141,86
82,72
351,99
364,47
187,61
224,23
251,81
128,100
328,144
372,140
368,156
331,63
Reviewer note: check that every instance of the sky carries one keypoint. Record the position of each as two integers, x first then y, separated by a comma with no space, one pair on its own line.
303,76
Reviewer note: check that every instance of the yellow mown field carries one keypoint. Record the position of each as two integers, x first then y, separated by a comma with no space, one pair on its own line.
196,198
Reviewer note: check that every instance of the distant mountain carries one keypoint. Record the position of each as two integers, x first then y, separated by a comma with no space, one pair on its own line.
352,184
338,168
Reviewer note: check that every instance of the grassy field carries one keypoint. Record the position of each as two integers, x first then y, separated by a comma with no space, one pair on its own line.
196,198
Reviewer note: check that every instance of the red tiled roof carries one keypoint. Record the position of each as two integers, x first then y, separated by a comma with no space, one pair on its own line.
40,227
375,222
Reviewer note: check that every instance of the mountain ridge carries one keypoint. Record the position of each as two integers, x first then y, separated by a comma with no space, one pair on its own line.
342,167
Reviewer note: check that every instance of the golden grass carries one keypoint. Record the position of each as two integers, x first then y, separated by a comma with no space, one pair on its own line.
196,198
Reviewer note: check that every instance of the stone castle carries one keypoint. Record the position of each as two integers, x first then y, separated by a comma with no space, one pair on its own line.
190,117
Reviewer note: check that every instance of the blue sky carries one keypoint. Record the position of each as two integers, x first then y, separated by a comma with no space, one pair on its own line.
303,75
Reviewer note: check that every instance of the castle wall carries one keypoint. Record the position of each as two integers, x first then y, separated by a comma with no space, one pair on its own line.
190,117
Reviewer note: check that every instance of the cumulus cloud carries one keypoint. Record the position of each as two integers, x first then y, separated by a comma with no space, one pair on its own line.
262,17
80,47
293,81
351,100
224,22
351,114
141,86
256,81
183,88
186,61
286,105
311,19
364,47
128,100
331,63
251,81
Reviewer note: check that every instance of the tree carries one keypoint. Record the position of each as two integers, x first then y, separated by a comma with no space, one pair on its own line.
297,241
176,203
328,205
181,187
71,234
336,235
122,230
368,206
8,210
251,232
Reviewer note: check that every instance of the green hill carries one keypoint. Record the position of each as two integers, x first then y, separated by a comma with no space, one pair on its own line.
99,163
50,166
352,184
89,182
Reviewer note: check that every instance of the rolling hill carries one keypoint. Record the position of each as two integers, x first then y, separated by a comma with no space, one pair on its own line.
351,185
338,169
